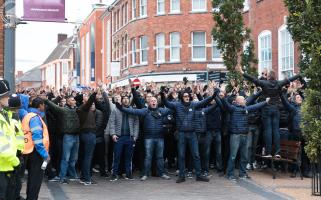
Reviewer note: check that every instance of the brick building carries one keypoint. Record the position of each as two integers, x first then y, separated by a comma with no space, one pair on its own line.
29,79
171,38
165,40
275,48
58,69
90,39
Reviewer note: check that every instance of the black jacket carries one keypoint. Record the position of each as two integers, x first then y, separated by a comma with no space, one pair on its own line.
271,88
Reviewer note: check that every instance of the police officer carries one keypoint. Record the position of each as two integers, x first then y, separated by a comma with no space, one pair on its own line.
8,144
14,105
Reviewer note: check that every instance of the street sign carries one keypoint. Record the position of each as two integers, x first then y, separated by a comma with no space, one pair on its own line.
201,77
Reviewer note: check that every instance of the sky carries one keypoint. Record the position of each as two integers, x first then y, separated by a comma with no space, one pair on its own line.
36,40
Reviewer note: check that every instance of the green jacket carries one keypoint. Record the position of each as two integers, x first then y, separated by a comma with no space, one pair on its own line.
68,118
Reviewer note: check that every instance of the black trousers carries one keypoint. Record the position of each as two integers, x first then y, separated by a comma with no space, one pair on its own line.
99,156
35,175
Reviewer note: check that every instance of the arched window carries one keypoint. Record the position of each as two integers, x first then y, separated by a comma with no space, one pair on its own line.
286,53
265,50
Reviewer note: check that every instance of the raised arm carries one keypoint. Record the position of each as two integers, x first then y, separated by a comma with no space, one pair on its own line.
289,80
138,101
227,105
54,107
170,105
207,100
209,109
251,99
286,103
85,107
132,111
256,106
253,80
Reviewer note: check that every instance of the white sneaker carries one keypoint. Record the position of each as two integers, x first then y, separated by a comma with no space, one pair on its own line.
144,178
248,166
164,176
254,165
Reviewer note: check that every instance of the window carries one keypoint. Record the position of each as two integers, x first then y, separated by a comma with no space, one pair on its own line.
123,15
246,5
143,53
87,67
216,52
82,58
174,47
143,8
133,51
175,6
286,53
199,5
65,68
160,7
134,9
198,46
265,51
160,47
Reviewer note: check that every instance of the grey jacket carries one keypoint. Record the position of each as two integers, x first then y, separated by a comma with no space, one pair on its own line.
115,122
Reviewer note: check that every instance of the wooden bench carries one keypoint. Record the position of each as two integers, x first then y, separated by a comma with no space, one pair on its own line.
290,152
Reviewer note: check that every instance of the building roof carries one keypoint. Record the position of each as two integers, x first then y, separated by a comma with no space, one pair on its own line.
61,51
33,75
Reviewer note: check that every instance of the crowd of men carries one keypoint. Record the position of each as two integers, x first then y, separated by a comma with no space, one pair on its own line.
152,129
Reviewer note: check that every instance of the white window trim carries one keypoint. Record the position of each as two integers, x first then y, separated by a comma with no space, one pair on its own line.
133,53
192,45
282,28
199,10
263,34
174,11
157,12
215,59
140,9
171,46
246,5
158,48
140,51
134,9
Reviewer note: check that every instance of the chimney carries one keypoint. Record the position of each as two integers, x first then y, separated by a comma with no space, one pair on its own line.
19,74
61,37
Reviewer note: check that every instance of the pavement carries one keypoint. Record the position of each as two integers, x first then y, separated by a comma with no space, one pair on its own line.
260,187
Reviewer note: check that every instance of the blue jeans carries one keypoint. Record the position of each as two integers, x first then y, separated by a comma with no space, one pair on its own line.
70,149
157,145
253,137
271,120
191,139
237,141
89,141
126,144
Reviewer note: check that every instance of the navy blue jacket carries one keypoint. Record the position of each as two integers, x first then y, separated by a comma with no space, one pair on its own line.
184,114
239,116
295,111
153,126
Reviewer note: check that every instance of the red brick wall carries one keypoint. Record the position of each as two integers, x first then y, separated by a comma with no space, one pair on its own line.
94,18
268,15
1,44
185,23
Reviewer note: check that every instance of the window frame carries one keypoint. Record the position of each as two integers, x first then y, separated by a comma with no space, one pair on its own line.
200,9
160,47
171,47
287,55
141,50
192,45
261,36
